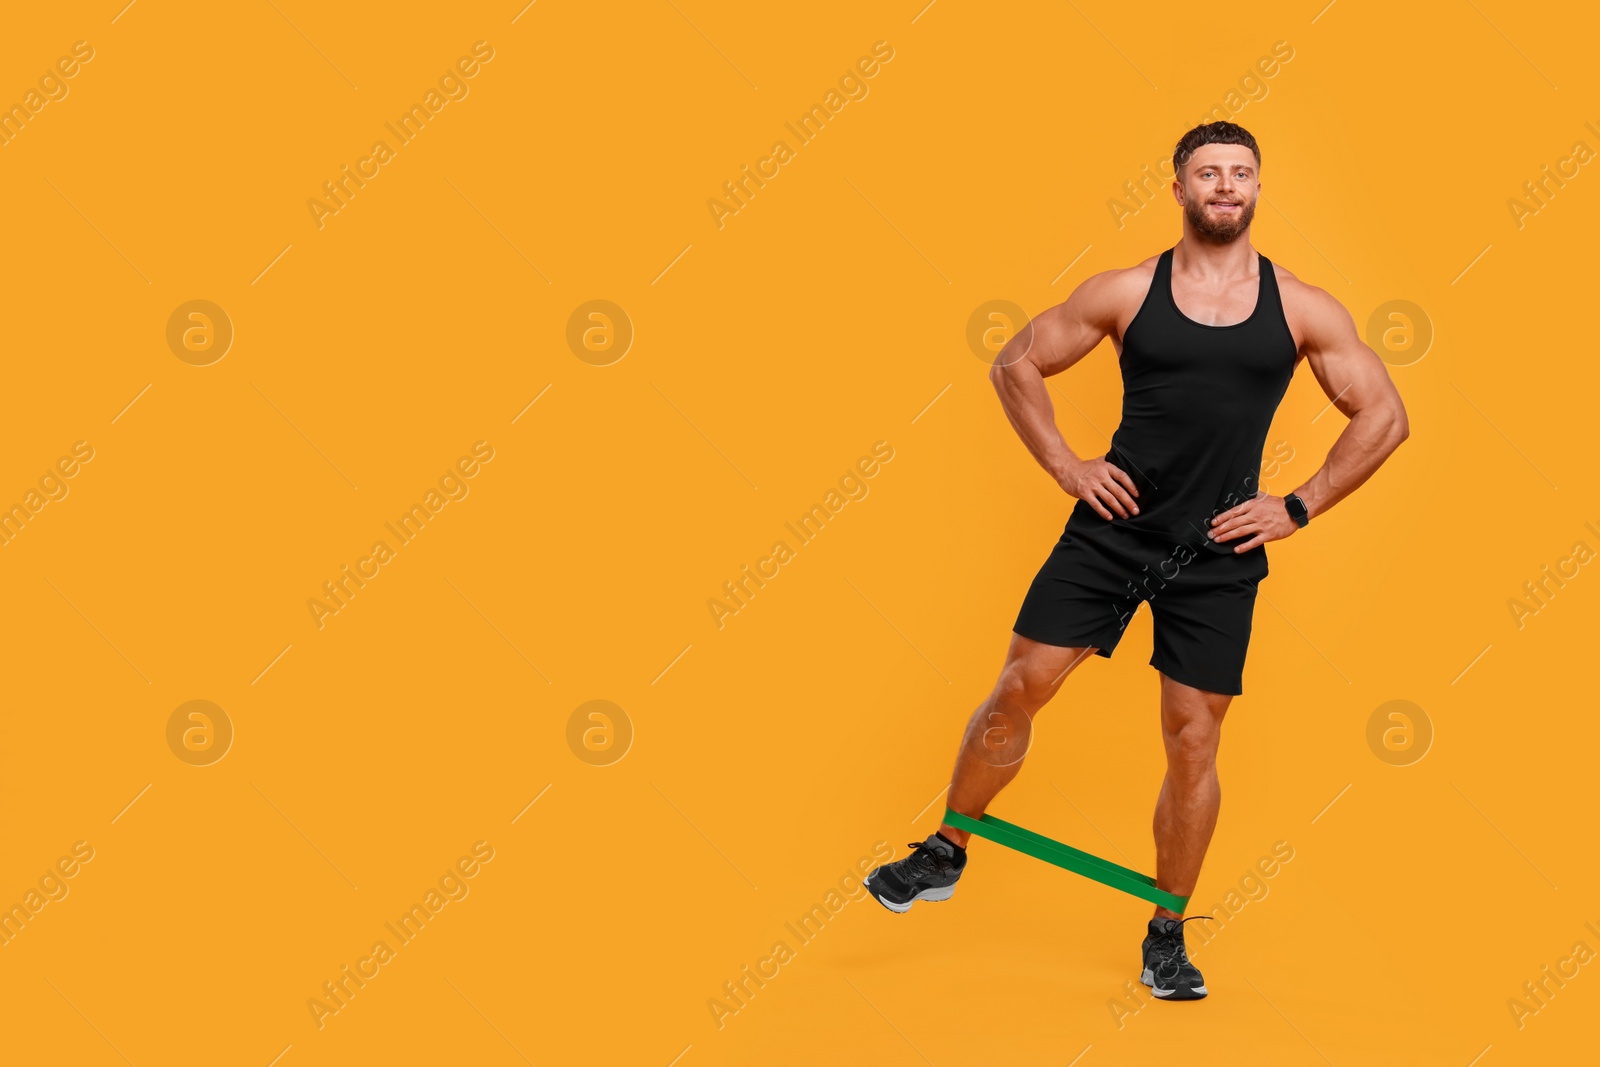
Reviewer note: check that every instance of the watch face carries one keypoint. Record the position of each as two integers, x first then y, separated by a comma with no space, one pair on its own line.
1297,509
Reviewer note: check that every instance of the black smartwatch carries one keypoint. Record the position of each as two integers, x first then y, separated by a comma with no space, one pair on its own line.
1297,510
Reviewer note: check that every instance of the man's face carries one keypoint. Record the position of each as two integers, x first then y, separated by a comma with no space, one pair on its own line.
1220,188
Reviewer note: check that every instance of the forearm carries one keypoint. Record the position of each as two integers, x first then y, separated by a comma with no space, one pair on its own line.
1369,438
1026,401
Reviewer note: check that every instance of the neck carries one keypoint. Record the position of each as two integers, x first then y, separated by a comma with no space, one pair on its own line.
1195,255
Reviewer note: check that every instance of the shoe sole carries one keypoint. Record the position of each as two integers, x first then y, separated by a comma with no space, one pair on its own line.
937,893
1192,993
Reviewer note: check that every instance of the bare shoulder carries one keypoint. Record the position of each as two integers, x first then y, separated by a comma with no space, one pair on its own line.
1129,283
1113,297
1098,307
1315,315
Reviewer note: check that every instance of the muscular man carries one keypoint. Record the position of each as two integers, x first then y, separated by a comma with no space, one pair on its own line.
1208,334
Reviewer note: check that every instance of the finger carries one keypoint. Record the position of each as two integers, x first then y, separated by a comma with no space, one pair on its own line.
1122,476
1239,530
1258,539
1111,500
1122,497
1223,527
1089,498
1243,513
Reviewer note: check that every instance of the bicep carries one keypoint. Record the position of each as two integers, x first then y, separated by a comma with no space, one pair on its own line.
1057,338
1348,370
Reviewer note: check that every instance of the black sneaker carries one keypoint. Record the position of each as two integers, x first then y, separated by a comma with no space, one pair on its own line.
1167,970
929,873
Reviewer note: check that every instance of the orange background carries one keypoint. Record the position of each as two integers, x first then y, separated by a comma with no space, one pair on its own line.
771,754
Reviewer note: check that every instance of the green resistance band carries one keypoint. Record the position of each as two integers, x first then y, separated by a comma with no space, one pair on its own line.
1065,856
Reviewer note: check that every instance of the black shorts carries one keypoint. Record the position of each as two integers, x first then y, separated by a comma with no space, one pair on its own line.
1202,601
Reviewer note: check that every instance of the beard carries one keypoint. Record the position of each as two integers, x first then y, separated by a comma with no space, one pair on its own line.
1219,229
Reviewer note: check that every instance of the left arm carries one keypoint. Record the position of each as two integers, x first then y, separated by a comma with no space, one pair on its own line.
1356,381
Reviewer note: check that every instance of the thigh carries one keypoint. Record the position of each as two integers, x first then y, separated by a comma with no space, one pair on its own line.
1083,595
1040,668
1002,728
1203,618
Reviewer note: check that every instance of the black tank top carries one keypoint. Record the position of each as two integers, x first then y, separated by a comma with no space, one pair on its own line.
1197,402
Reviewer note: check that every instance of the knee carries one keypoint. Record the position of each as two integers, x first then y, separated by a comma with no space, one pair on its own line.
1022,688
1192,747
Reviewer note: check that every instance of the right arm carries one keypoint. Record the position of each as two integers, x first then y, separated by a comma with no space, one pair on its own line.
1049,344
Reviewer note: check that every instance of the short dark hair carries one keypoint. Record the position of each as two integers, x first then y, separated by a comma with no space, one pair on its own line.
1213,133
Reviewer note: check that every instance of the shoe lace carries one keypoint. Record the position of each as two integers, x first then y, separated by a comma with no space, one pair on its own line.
926,858
1169,948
